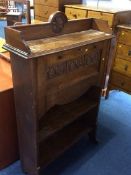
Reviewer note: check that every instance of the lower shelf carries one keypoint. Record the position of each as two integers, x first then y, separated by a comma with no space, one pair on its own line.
55,145
60,116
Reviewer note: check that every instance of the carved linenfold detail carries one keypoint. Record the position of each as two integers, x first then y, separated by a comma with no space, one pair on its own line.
72,65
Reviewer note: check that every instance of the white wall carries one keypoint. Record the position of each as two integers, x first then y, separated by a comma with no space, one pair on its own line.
119,4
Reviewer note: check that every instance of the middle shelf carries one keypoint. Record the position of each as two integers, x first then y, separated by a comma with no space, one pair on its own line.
61,115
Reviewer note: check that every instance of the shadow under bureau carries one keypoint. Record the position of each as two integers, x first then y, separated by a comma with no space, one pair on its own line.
58,71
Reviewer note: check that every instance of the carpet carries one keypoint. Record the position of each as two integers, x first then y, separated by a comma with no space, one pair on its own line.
112,156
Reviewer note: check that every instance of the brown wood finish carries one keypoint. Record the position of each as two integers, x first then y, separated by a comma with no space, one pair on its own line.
73,13
121,81
28,8
112,16
124,35
13,17
122,66
44,8
121,71
3,8
8,130
57,84
101,15
124,51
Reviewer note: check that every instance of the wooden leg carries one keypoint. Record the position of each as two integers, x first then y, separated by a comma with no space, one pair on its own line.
103,93
107,94
35,172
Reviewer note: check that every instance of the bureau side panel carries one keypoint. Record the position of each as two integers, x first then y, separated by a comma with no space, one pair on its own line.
23,74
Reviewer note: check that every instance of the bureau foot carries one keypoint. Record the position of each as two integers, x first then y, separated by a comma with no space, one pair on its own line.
37,172
107,94
103,93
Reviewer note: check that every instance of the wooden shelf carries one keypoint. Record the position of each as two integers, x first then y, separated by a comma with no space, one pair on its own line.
60,116
55,145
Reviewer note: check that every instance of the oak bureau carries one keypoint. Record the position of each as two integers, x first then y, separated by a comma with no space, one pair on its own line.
58,71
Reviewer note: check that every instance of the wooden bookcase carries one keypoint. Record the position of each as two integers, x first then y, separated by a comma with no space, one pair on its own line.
58,71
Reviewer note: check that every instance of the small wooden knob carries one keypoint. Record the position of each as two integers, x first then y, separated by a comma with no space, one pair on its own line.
86,50
129,53
126,67
123,33
74,15
46,12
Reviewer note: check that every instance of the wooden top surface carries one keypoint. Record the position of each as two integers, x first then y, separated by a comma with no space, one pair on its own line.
125,26
86,7
66,41
59,34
